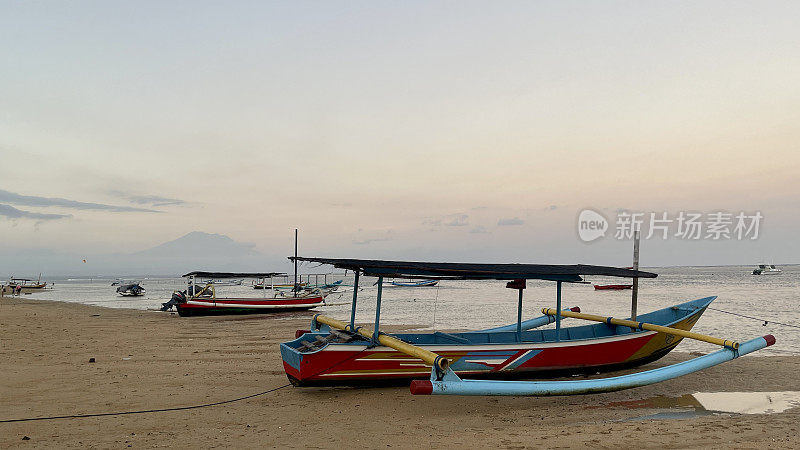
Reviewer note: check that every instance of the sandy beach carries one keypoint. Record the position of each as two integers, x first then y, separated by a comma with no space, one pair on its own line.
147,360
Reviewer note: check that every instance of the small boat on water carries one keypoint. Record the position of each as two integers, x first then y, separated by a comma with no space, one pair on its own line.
616,287
423,283
766,269
202,299
337,352
129,288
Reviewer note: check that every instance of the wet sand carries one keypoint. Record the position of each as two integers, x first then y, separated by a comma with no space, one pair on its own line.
150,360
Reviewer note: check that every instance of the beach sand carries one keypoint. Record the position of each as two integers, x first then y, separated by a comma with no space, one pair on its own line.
147,360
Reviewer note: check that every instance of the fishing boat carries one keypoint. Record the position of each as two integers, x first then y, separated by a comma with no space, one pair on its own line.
423,283
766,269
202,299
338,352
23,285
129,288
614,287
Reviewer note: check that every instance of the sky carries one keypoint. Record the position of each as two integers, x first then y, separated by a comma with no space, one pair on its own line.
450,131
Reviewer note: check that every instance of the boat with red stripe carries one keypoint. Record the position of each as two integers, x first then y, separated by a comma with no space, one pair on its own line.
200,297
337,352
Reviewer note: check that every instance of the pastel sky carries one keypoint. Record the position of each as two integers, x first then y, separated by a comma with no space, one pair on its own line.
421,130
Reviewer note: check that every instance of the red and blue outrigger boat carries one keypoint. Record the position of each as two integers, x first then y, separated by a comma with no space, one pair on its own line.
338,352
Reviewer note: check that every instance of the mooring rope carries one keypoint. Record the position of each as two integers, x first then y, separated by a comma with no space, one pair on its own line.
766,321
144,411
176,408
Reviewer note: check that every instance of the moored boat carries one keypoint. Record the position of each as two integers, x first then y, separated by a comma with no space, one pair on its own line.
129,288
613,287
199,300
23,286
423,283
766,269
337,352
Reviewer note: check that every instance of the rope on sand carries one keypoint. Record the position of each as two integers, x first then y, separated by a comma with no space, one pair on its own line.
766,321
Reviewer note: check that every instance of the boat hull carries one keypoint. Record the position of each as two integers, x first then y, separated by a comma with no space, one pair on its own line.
500,356
615,287
217,306
426,283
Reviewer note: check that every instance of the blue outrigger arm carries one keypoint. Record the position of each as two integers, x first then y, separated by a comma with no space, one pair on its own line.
451,384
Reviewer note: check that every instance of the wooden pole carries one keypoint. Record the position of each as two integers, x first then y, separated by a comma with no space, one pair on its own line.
294,288
353,308
558,311
519,317
635,290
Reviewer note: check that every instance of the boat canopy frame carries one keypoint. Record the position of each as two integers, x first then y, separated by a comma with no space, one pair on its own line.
517,274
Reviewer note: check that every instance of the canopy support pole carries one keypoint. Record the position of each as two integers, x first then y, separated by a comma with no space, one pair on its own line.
519,317
377,332
353,308
558,311
635,290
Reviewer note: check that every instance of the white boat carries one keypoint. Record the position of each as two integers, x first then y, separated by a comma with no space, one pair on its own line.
766,269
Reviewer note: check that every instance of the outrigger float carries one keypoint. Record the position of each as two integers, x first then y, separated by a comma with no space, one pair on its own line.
338,352
201,299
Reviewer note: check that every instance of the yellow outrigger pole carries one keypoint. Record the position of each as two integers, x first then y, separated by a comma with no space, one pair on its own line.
644,326
403,347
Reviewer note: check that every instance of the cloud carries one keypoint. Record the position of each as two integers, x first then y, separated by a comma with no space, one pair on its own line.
369,241
508,222
155,200
478,229
387,236
458,220
31,200
451,220
152,200
14,213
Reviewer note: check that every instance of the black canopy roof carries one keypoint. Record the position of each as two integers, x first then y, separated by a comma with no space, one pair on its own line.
234,274
476,271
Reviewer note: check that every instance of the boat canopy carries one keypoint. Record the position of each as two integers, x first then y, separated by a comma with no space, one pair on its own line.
234,274
475,271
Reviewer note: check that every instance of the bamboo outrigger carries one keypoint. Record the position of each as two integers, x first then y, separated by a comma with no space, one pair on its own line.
337,352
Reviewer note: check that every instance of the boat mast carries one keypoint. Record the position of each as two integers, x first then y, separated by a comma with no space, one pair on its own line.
295,263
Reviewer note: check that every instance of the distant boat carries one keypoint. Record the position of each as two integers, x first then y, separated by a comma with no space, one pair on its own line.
23,285
423,283
766,269
129,288
201,299
614,287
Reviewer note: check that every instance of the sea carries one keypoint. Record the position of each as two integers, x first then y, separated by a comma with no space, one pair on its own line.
747,306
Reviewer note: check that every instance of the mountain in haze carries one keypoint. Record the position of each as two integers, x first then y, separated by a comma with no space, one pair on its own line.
200,245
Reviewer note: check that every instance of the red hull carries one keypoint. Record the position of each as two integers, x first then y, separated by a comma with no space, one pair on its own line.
360,364
333,358
616,287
